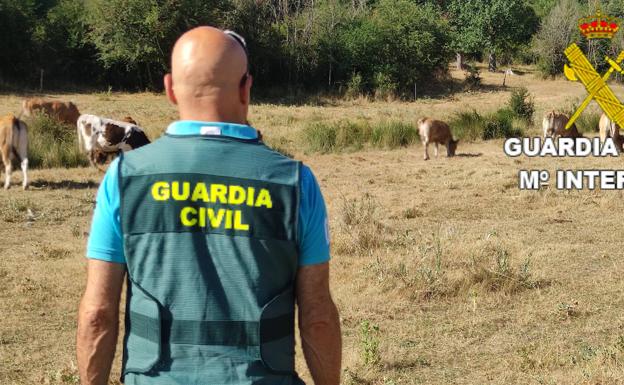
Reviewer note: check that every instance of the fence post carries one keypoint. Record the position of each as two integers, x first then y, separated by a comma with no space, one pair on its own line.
41,81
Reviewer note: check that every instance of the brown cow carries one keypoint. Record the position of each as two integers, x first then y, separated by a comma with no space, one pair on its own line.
610,129
437,132
64,112
554,126
13,146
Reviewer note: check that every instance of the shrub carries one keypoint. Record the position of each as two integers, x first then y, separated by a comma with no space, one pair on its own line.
500,125
521,103
385,88
473,76
393,134
467,125
53,144
331,137
588,121
473,126
370,343
355,86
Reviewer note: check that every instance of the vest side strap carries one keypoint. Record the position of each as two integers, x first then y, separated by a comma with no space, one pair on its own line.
221,333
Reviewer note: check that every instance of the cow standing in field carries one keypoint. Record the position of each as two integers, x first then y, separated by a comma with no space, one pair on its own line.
64,112
610,129
101,137
13,146
554,126
437,132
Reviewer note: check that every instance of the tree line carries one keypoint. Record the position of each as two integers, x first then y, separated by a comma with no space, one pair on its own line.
378,47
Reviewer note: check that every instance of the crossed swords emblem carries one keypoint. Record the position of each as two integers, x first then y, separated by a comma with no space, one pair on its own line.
581,69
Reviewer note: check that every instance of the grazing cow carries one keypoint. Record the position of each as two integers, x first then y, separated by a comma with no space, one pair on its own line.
437,132
64,112
554,126
610,129
101,137
13,146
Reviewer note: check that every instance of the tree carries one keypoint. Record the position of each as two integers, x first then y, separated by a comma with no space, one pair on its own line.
397,46
139,34
558,30
490,26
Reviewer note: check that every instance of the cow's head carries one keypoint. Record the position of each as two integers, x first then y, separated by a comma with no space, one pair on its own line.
452,147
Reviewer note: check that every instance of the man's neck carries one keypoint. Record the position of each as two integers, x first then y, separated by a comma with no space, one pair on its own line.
213,116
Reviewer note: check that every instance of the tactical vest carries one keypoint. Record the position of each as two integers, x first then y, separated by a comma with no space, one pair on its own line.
209,226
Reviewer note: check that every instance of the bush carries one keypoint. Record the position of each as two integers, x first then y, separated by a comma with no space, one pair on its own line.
473,76
53,144
521,103
355,86
588,121
405,41
467,125
385,88
393,134
332,137
500,125
473,126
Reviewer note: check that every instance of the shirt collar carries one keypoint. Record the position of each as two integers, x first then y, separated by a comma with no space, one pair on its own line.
193,127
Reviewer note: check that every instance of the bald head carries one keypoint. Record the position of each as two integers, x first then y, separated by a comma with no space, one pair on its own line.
207,67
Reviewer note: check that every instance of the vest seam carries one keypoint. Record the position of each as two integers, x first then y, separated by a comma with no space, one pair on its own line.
209,233
223,176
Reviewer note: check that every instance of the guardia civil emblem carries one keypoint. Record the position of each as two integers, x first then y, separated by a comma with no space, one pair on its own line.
580,69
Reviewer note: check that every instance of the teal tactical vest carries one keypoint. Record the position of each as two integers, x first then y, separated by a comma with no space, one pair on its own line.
209,226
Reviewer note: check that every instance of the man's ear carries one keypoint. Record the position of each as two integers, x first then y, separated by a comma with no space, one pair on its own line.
245,91
168,80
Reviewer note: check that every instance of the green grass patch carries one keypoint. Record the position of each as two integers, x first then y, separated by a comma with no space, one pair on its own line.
588,121
471,126
393,134
53,144
354,135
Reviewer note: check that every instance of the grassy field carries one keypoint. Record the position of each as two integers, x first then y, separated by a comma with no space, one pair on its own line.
443,271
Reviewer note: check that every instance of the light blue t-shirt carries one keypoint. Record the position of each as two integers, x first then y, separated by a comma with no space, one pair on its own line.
106,240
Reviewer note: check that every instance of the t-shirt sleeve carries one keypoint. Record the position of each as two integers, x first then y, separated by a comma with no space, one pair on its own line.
313,222
105,240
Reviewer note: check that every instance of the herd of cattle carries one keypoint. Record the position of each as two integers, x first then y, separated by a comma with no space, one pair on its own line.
99,138
102,138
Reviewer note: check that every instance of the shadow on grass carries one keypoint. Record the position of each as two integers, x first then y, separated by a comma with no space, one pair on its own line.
469,155
63,185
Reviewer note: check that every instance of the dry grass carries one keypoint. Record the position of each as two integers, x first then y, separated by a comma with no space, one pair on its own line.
443,271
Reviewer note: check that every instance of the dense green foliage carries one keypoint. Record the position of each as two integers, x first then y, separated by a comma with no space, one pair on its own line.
493,26
382,48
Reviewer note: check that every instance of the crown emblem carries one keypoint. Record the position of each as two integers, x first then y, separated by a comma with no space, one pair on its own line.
598,26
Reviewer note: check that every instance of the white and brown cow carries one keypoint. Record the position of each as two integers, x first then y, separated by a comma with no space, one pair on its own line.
102,137
437,132
13,146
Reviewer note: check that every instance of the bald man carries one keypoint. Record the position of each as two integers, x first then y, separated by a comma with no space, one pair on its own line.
216,236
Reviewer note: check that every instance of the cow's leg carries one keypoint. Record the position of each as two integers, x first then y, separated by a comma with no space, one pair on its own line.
8,169
24,167
436,149
426,146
